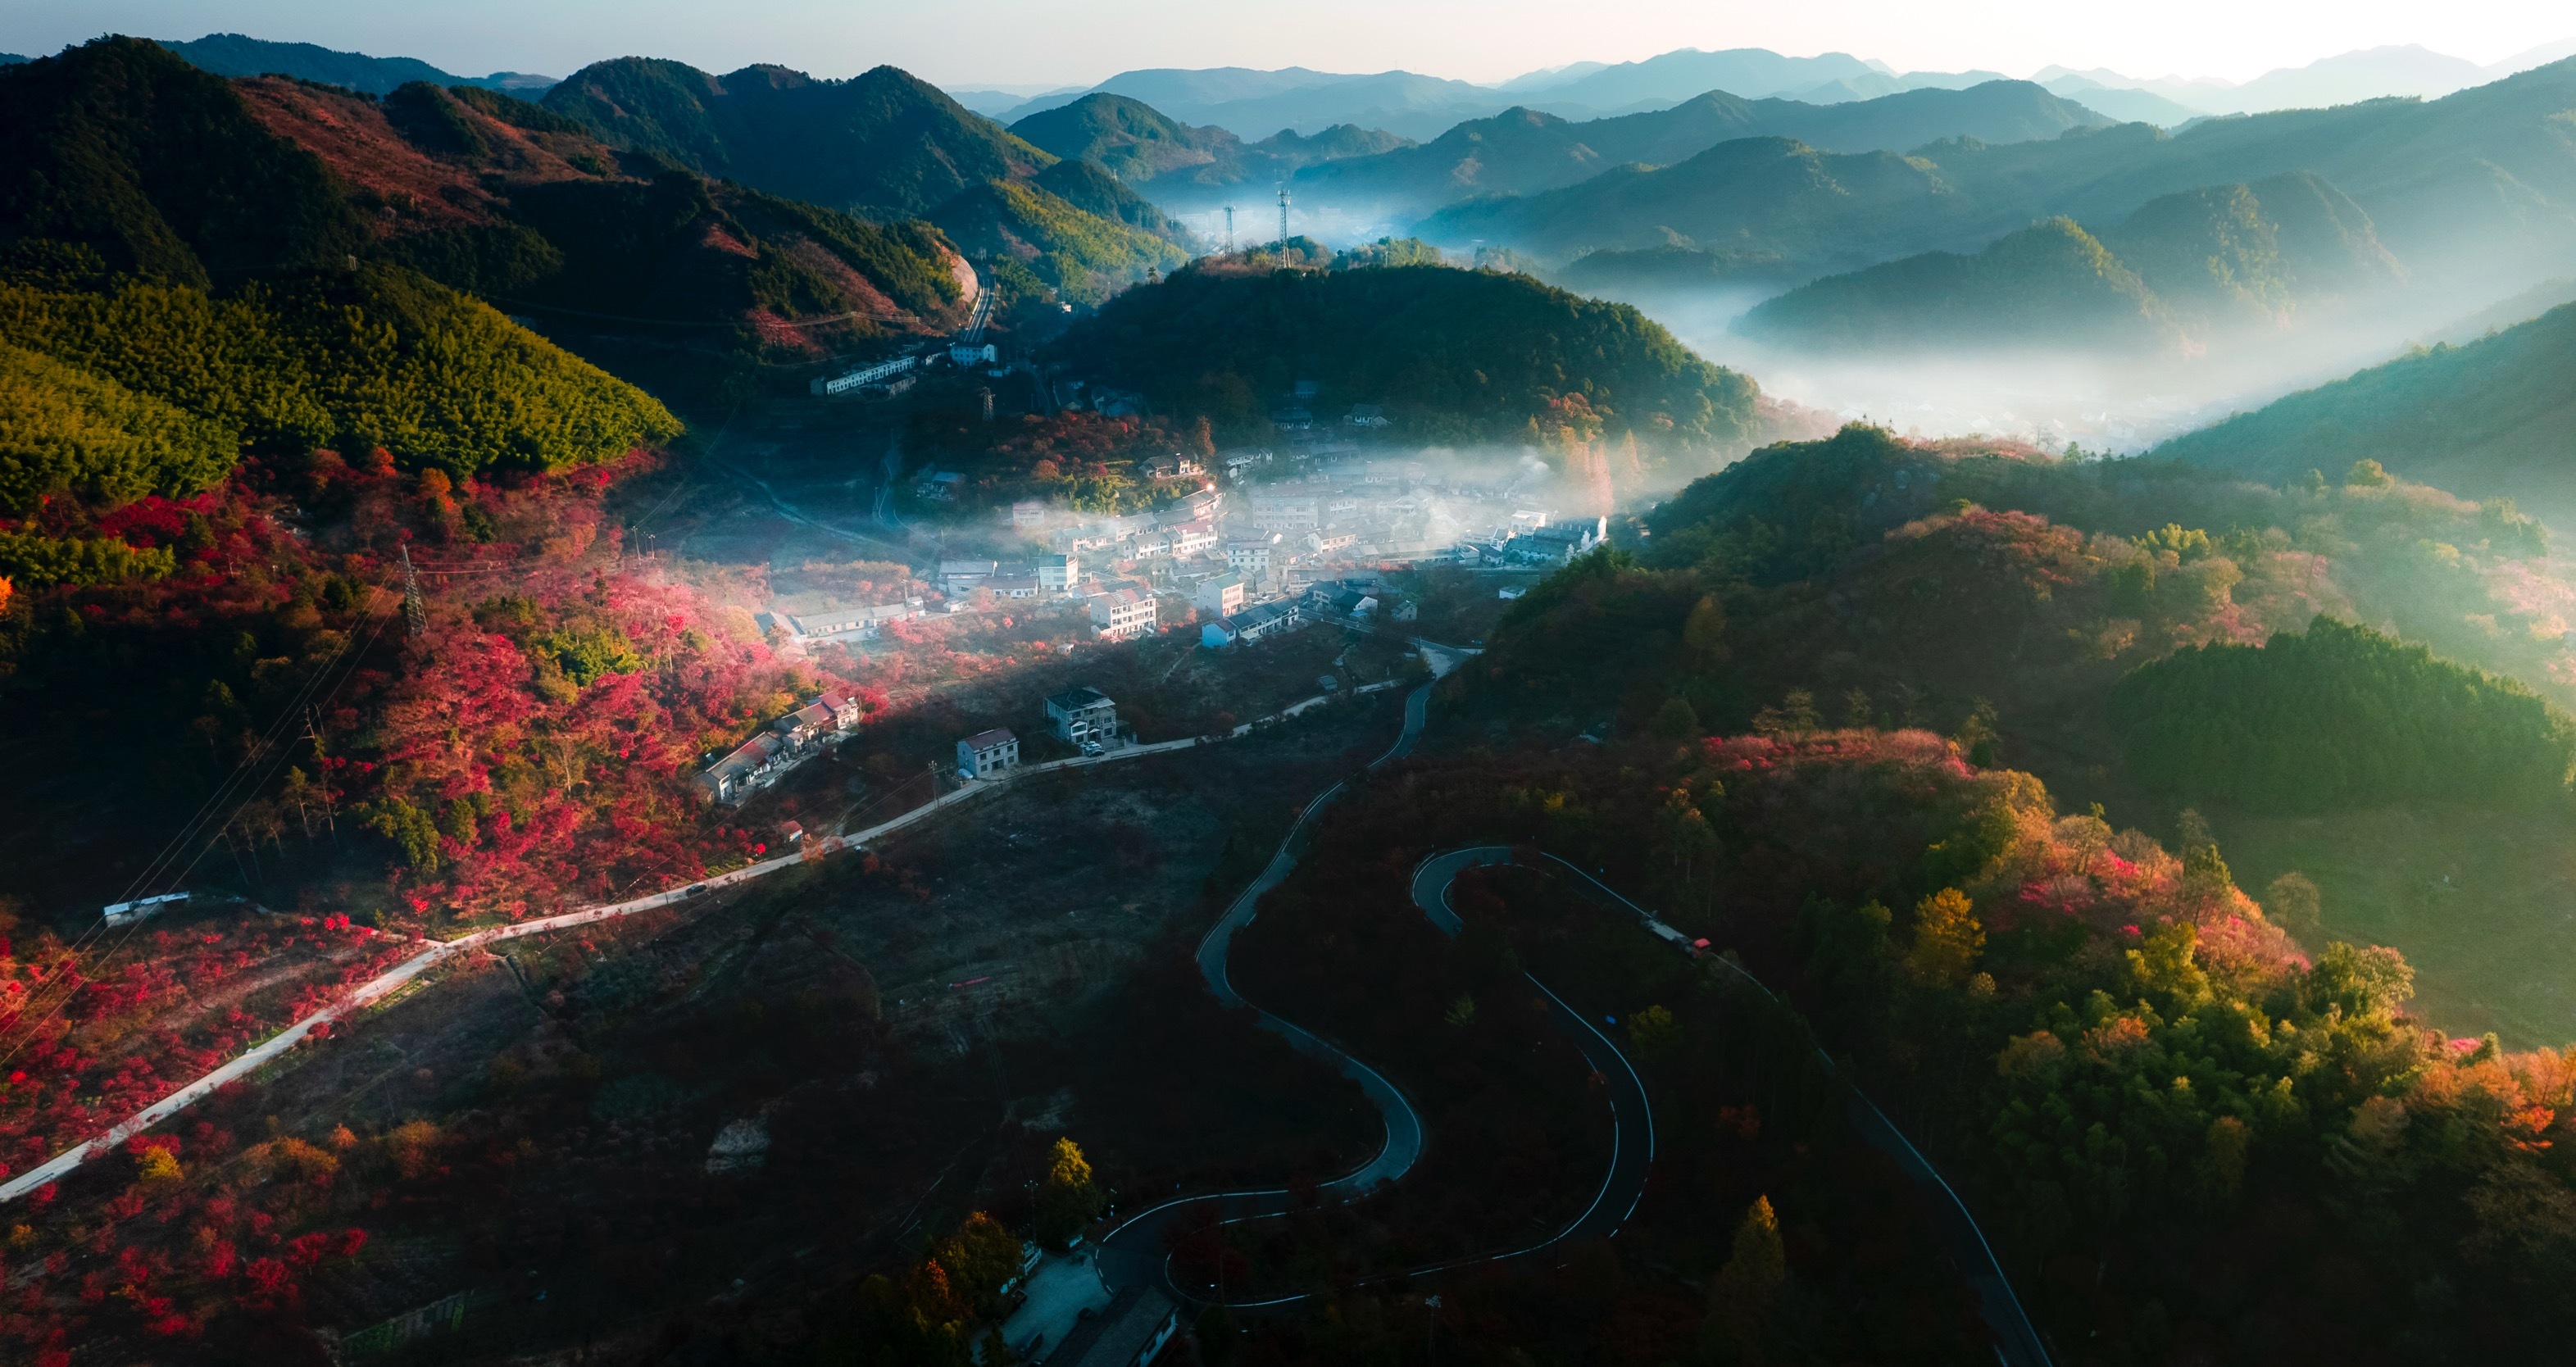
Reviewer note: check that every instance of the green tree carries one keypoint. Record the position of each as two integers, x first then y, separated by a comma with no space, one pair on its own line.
1947,938
1741,1297
1654,1033
2200,858
2292,902
1068,1200
410,829
981,1258
1977,738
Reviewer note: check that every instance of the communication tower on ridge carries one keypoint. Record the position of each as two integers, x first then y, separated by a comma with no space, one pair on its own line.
1283,225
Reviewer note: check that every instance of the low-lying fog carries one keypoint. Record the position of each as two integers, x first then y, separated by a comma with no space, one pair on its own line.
2105,401
2121,403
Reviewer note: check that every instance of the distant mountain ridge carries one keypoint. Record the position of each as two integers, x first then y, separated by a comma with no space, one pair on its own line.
234,54
2478,187
2185,269
1522,151
1254,103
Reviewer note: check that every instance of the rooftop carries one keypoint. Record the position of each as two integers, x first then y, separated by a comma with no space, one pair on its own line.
986,740
1076,699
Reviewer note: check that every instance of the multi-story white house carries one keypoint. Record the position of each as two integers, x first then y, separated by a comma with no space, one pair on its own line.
987,753
1251,554
1287,511
1059,573
1221,596
1122,614
1082,714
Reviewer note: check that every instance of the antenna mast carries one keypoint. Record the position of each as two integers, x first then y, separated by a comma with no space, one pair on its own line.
1283,225
1229,230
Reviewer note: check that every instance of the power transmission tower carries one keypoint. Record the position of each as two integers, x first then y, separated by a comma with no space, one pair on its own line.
415,607
1229,230
1283,225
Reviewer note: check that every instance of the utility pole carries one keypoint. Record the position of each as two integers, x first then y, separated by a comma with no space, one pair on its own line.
322,771
415,607
1283,225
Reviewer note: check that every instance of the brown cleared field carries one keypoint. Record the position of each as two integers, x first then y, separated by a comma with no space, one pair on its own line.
903,1038
2482,903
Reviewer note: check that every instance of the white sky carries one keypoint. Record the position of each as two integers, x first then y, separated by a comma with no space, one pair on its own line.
965,42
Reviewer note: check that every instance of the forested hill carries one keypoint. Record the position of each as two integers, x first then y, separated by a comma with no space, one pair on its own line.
1454,355
163,169
2491,418
511,200
157,168
1175,162
179,287
2207,264
2338,716
1130,138
881,143
2044,286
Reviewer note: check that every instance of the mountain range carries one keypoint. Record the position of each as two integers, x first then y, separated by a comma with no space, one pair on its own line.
1255,103
2478,186
2183,269
1523,151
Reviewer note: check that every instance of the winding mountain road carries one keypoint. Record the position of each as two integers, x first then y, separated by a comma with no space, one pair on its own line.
1136,1251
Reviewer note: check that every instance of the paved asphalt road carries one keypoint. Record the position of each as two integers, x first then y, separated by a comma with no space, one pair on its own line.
1136,1250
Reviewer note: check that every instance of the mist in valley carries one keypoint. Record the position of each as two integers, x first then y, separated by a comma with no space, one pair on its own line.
2105,400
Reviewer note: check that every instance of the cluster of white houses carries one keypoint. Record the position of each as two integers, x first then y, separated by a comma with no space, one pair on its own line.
791,740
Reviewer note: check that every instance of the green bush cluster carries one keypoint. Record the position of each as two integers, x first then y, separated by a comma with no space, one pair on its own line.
32,560
66,431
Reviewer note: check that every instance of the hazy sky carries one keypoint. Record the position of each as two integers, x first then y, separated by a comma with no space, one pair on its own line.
961,42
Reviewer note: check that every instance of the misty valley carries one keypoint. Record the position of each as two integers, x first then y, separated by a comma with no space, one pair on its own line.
1716,710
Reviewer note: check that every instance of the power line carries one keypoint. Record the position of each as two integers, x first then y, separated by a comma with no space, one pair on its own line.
160,869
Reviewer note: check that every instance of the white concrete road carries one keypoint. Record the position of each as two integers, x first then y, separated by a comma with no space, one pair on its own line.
434,953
